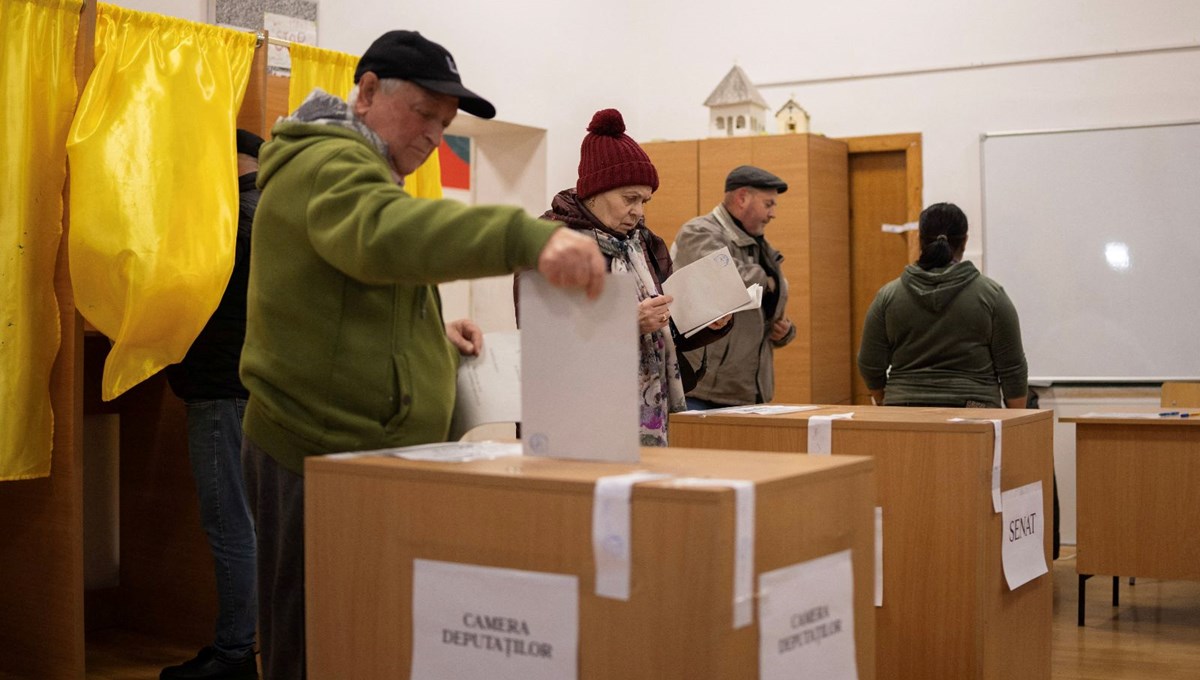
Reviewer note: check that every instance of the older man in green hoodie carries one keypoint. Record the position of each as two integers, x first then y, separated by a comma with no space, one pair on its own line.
345,343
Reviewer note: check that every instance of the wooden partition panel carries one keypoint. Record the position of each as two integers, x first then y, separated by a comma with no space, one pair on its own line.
277,100
41,520
253,114
829,226
678,196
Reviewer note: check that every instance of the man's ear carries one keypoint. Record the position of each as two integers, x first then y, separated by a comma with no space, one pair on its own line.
368,87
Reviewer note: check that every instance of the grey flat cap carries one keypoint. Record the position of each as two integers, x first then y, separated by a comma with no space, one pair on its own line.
750,176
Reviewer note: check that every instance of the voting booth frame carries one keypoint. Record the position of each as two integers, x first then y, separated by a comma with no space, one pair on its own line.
368,518
947,611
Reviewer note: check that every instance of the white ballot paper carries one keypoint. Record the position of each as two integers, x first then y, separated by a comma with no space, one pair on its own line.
806,621
612,546
752,409
820,433
579,371
443,452
1024,554
489,385
997,427
500,624
705,291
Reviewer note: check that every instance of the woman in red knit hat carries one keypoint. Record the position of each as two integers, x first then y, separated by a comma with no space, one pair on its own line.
616,180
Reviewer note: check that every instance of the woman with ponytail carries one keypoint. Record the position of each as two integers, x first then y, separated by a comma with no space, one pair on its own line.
943,334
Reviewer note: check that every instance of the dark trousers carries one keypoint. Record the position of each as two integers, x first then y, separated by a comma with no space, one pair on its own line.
277,500
214,447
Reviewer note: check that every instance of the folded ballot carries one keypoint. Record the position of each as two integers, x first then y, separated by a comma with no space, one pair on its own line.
707,290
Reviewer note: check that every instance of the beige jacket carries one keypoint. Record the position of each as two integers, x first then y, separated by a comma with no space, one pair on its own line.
739,368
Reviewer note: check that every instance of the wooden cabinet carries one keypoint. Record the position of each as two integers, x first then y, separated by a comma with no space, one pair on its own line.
811,229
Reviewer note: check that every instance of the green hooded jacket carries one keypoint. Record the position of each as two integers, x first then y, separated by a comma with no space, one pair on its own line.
949,336
345,344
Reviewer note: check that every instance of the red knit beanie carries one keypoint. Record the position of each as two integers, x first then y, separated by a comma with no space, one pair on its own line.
609,158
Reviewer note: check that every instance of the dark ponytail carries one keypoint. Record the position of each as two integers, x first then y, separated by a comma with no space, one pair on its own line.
943,232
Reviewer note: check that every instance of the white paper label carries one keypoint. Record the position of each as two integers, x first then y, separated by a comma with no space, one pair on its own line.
1024,553
806,621
501,624
820,433
743,544
612,544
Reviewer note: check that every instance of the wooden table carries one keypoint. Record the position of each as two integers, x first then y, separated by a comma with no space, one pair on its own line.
947,611
1137,484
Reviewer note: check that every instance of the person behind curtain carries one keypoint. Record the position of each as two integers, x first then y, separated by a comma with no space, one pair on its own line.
207,381
616,180
943,334
346,348
741,366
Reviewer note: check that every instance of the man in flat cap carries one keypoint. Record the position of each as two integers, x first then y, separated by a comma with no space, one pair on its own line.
207,382
739,368
346,348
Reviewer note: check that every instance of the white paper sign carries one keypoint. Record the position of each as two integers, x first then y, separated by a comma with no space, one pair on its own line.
1024,554
489,385
806,621
292,29
612,546
820,433
579,371
500,624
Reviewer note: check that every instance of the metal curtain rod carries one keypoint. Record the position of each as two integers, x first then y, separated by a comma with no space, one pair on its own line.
271,41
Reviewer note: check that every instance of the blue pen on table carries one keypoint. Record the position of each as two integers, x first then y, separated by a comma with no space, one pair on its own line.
1165,414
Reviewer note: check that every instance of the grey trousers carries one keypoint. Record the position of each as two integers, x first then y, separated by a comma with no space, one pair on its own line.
277,500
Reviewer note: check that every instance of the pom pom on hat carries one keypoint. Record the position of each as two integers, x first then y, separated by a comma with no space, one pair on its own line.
609,158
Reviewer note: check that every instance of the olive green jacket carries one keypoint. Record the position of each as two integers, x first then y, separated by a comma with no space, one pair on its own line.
345,344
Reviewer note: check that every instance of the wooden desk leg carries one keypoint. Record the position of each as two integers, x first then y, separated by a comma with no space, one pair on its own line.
1116,590
1082,591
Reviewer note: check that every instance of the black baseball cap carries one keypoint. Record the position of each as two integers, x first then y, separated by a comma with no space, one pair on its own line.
408,55
750,176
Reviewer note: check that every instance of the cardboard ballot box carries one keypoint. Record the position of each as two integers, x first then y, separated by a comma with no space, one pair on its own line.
372,522
947,611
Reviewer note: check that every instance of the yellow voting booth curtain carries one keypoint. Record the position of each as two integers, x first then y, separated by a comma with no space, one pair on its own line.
37,97
154,196
314,67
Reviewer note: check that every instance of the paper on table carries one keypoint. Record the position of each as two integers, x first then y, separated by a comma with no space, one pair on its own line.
705,291
444,452
752,409
489,385
454,634
579,371
1024,529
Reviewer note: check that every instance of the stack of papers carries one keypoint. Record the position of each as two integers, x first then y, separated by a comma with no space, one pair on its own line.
707,290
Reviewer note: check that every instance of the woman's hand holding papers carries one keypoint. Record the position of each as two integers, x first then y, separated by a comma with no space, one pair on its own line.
653,313
721,322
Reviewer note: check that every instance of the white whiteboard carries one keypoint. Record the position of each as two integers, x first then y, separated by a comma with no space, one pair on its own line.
1095,234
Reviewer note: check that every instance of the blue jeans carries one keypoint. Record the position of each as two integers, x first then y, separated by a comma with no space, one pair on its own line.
697,404
215,449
